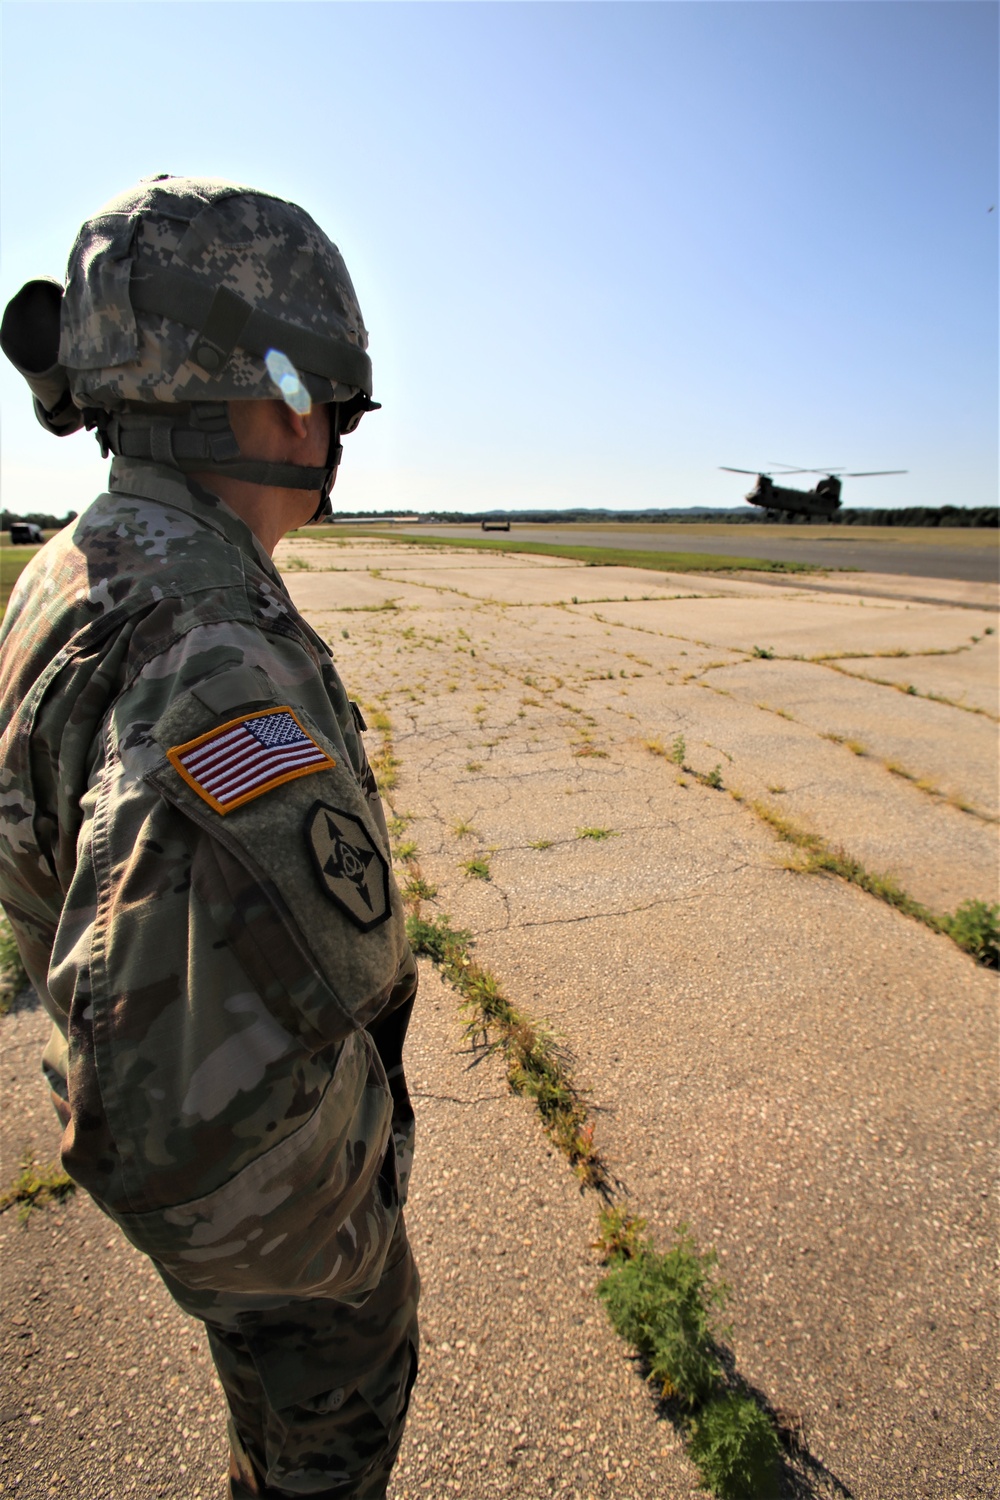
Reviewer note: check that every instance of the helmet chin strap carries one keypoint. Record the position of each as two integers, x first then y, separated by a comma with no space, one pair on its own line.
334,453
199,439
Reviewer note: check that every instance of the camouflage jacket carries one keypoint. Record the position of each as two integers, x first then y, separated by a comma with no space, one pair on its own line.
195,863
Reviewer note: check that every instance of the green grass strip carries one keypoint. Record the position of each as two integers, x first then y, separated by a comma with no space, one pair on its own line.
594,557
13,561
974,926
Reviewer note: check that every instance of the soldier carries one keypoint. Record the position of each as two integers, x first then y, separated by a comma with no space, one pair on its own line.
193,854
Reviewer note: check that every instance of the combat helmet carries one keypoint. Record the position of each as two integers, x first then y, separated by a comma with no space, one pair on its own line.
183,294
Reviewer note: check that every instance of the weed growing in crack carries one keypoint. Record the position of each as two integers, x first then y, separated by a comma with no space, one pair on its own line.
461,827
478,868
540,844
712,778
34,1186
416,888
597,834
536,1066
974,926
620,1234
734,1446
473,765
765,653
667,1306
678,750
407,850
386,766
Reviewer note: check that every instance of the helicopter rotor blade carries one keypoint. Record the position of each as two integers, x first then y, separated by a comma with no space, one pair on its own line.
871,473
726,469
798,468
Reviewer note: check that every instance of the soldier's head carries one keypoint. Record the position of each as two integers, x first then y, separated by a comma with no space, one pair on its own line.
187,303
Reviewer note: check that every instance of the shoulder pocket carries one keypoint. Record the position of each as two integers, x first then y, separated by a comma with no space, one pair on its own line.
301,863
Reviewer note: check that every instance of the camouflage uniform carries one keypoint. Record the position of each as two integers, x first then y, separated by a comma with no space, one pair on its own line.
225,963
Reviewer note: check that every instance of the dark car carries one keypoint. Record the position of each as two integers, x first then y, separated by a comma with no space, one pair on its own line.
25,534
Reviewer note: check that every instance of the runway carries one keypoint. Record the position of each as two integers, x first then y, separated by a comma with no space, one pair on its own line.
971,555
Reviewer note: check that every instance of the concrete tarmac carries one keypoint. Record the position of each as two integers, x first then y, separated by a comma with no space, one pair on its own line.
800,1072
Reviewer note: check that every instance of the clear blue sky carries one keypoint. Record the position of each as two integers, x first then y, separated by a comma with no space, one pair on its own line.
601,248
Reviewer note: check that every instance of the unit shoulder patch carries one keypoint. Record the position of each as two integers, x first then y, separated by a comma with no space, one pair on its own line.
352,870
248,756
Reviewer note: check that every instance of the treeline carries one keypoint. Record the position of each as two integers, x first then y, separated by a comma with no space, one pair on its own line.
923,515
36,518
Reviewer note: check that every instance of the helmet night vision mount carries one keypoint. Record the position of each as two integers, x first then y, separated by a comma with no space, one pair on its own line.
182,295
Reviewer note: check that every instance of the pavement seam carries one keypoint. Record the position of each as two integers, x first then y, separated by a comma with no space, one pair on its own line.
725,1414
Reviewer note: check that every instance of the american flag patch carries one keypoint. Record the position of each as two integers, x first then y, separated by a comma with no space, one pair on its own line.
246,757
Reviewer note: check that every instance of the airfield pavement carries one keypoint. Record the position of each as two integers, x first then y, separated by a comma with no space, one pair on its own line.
801,1073
970,554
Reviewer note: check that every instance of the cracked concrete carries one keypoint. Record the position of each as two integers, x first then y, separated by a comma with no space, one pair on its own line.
782,1061
801,1073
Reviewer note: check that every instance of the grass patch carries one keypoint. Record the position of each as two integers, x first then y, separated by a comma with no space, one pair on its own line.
13,975
973,926
461,827
478,868
13,561
668,1305
406,850
610,557
597,834
35,1186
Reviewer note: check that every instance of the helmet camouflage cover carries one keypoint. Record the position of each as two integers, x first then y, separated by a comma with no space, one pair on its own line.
176,292
177,289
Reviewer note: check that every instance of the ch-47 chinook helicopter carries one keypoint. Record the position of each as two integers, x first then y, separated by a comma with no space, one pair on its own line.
824,501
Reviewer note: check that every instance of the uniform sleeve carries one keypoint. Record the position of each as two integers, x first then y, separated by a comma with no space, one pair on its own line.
232,929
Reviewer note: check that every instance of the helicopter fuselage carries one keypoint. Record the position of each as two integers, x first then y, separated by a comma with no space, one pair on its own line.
824,500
